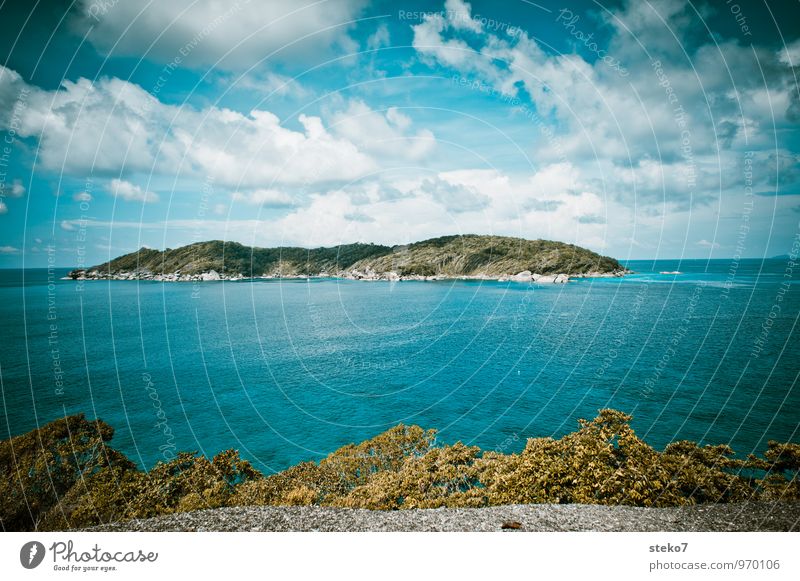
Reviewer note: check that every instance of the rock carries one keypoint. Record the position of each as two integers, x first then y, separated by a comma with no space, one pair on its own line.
561,279
210,275
524,276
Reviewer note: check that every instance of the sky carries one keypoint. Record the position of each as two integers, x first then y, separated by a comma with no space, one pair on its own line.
638,129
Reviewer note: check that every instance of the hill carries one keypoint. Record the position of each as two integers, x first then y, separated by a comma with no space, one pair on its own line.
445,257
493,256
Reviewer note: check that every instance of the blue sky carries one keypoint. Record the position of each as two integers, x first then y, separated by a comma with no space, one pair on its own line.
637,129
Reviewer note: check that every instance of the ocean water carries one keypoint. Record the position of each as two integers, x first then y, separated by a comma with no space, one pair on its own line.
287,371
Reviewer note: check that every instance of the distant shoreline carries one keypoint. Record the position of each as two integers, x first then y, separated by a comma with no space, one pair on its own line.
214,276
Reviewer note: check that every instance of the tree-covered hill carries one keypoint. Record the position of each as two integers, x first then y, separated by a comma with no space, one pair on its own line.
489,255
466,255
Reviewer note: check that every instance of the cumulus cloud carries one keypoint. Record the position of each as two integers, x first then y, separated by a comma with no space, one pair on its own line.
117,127
82,197
265,198
131,192
267,83
3,208
379,38
664,127
382,133
455,197
17,189
8,250
229,35
707,244
542,205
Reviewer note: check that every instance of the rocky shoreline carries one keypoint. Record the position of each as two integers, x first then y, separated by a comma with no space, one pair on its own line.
749,516
365,275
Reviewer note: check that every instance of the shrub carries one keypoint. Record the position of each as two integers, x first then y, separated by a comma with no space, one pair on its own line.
64,475
39,467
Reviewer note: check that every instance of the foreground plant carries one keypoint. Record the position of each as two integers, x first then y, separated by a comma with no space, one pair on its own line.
64,475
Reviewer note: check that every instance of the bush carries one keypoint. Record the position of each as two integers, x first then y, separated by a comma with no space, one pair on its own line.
66,476
40,467
187,482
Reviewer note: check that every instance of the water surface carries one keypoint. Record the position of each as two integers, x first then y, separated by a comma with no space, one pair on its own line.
287,371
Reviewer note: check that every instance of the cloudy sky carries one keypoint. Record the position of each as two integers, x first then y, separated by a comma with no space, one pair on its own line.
640,129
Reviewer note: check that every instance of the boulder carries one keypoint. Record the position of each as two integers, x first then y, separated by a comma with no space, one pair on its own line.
210,275
524,276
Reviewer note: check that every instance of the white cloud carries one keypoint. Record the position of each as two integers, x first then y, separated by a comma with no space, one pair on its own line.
618,132
379,38
267,83
3,208
17,189
82,197
131,192
454,196
555,179
8,250
227,35
790,54
384,134
115,126
707,244
265,198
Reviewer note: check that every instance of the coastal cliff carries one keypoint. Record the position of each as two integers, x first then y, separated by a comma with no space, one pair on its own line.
469,256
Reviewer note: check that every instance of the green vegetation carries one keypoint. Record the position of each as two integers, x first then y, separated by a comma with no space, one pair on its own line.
64,475
491,256
448,255
233,258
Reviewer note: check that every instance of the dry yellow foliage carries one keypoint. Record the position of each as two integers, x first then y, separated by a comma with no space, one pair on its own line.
66,476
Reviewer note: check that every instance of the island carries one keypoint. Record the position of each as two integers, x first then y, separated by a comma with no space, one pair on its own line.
471,256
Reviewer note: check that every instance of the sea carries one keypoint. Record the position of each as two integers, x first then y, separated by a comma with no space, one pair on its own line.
290,370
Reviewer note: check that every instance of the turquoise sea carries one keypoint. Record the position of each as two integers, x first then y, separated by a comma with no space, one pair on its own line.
287,371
